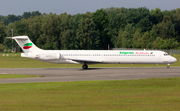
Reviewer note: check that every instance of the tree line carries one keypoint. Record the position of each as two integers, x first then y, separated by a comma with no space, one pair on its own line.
117,27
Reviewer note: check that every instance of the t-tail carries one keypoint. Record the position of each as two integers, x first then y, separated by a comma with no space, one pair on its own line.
26,44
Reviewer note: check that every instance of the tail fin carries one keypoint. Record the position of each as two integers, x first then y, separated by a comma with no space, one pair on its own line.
26,44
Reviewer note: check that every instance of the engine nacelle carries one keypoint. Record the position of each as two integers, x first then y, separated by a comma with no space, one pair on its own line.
48,56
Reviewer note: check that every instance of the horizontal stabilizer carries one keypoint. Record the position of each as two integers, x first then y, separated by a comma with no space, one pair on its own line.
18,37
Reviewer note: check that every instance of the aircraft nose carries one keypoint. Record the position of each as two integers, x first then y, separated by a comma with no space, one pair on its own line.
174,59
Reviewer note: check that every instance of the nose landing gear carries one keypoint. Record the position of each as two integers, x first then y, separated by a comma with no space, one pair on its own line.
168,65
85,66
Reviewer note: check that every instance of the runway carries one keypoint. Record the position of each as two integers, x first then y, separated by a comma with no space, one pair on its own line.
78,74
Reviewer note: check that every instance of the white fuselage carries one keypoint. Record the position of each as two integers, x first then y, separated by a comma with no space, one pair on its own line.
102,56
86,57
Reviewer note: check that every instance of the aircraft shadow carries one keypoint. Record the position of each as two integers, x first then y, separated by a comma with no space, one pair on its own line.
90,69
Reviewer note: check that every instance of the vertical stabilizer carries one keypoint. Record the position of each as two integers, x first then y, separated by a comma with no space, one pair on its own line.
26,44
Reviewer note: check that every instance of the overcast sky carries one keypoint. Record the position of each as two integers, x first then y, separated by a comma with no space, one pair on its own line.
17,7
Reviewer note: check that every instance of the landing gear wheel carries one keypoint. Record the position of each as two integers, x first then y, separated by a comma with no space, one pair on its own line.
85,66
168,65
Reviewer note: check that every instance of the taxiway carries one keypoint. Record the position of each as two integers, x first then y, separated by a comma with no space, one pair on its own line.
77,74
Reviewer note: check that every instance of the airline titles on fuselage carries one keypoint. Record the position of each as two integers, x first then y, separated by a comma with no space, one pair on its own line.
135,53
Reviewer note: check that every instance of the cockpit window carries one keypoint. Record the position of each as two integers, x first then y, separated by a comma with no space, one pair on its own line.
166,54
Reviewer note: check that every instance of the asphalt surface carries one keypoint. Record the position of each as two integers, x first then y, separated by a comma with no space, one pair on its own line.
77,74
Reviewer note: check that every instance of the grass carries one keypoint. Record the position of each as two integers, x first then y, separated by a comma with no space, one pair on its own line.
146,94
8,76
13,61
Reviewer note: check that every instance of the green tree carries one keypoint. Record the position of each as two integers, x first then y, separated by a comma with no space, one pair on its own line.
87,34
8,43
100,18
116,10
136,40
145,24
177,22
35,13
159,43
50,32
73,24
165,29
152,38
120,40
157,15
65,35
2,32
10,19
172,44
26,15
1,47
116,22
34,28
145,40
135,15
21,28
128,35
65,39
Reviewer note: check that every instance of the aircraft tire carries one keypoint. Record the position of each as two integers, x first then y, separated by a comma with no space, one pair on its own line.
85,66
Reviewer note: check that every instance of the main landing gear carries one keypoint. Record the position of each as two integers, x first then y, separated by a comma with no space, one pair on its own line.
168,65
85,66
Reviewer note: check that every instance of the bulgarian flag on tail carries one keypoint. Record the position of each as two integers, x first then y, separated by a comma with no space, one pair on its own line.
27,46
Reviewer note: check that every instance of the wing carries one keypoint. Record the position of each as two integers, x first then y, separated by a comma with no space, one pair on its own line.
82,61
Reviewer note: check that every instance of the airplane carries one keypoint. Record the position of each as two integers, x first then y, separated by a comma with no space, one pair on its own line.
86,57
